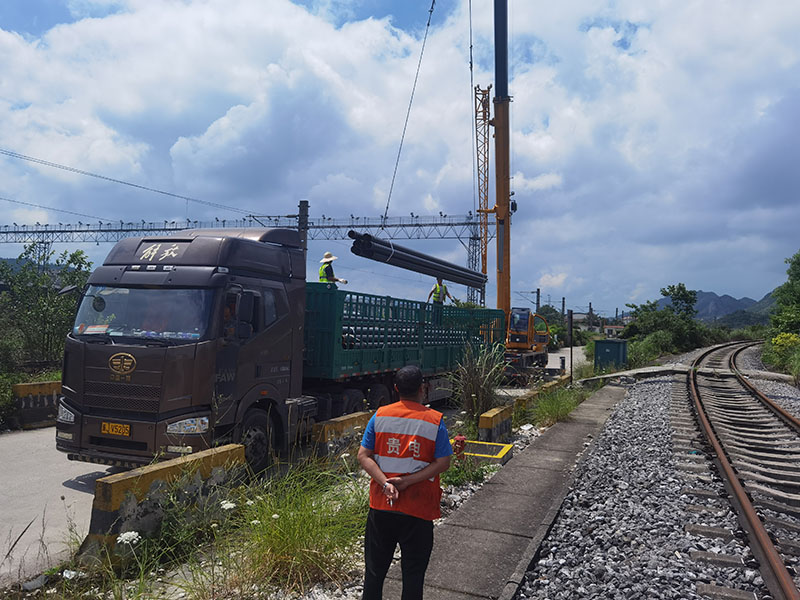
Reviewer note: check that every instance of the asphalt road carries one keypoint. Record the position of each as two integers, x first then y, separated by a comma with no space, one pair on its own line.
39,485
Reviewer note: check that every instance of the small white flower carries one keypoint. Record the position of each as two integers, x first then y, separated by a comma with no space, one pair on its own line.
345,455
276,516
129,537
227,505
459,422
255,522
249,503
259,497
214,526
463,412
67,574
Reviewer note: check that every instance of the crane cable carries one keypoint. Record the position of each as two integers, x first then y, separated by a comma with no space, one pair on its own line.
474,120
408,112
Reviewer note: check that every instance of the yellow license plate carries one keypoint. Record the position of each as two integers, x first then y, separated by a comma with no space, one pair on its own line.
115,429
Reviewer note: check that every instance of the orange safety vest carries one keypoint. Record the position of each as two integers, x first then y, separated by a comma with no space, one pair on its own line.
405,442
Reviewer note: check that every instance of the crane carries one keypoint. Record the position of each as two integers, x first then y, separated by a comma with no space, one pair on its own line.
527,333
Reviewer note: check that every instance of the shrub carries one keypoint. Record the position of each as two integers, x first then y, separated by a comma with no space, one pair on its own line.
640,355
7,381
794,366
779,351
475,378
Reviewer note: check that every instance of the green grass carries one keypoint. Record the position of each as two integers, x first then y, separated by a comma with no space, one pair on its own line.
285,533
552,406
463,470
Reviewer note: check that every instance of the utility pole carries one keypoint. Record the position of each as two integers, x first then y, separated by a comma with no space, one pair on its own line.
563,306
538,298
302,224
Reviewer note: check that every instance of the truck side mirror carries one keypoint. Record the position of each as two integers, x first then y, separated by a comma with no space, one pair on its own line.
246,304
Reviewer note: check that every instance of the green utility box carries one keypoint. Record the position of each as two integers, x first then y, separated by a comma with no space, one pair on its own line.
608,353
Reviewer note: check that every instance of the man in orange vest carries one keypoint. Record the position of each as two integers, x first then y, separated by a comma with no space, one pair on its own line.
405,447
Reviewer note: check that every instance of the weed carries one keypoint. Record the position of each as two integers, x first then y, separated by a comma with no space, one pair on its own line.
463,469
477,375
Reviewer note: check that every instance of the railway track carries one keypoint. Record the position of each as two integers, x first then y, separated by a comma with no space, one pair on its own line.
756,446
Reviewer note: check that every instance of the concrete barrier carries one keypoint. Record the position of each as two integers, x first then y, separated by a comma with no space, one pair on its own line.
495,425
36,404
136,500
335,435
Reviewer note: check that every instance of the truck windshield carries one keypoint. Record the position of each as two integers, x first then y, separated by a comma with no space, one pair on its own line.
169,314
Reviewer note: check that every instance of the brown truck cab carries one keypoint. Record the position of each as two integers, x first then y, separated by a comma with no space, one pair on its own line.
187,341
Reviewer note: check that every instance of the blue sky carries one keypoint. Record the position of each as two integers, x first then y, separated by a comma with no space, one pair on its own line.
652,143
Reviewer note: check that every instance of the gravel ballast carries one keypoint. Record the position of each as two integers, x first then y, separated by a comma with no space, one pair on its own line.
621,531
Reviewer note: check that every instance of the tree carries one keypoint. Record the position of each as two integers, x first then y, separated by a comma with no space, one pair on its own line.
550,314
786,318
682,300
32,308
679,331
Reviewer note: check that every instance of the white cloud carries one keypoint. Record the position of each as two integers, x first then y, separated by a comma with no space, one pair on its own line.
648,139
553,280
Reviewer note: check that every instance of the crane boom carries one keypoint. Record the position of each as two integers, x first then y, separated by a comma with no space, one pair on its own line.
501,150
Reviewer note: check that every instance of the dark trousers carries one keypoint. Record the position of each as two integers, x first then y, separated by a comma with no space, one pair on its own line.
437,313
386,529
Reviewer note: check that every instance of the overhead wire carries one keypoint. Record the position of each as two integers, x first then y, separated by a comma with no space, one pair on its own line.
48,163
69,212
408,112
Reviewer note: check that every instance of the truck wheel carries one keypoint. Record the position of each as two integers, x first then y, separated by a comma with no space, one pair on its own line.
257,440
378,395
353,401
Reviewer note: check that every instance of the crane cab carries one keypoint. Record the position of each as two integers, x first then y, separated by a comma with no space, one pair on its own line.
526,340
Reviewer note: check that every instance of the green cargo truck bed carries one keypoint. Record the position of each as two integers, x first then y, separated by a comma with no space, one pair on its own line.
349,334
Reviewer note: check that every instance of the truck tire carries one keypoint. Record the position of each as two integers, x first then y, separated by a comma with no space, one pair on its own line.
257,440
378,395
353,401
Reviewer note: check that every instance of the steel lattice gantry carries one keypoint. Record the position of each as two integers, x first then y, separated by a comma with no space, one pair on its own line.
458,228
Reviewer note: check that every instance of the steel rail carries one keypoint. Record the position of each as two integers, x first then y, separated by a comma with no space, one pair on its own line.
787,590
787,418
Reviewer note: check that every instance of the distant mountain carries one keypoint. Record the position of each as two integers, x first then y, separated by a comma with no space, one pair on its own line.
712,307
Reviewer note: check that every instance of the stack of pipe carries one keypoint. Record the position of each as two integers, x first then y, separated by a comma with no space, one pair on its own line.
385,251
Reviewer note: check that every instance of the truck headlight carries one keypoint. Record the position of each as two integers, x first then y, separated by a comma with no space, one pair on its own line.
193,425
65,415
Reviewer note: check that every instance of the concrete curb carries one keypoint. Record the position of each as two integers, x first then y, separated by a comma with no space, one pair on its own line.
36,404
119,499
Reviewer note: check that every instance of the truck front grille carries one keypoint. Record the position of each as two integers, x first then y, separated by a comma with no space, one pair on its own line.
122,396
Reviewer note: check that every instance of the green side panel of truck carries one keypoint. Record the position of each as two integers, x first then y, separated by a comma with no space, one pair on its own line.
350,334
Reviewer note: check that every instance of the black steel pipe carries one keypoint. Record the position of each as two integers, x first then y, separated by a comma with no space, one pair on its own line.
379,250
411,262
371,241
419,266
